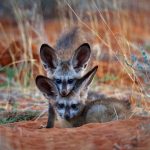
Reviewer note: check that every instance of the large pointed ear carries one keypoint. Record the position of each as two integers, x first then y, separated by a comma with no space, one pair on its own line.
47,87
85,81
81,57
49,57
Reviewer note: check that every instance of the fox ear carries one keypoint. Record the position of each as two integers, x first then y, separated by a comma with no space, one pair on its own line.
48,57
85,81
81,57
47,87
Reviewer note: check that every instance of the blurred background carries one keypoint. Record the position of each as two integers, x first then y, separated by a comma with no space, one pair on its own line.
117,30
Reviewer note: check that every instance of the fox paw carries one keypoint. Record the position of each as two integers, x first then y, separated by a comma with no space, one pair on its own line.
42,126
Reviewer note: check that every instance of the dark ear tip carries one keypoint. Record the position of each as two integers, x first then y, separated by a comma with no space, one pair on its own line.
41,78
38,78
86,44
95,68
43,46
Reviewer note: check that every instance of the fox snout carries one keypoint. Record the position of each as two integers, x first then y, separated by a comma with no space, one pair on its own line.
67,117
64,93
63,87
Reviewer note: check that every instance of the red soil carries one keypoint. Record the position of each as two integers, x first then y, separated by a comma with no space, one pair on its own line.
118,135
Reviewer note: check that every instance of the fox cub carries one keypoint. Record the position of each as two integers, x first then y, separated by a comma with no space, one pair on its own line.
65,72
50,91
74,111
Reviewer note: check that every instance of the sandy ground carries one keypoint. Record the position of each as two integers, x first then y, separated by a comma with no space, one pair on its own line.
118,135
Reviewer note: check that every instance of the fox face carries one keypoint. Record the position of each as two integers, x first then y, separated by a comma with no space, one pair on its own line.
68,109
65,77
65,73
71,105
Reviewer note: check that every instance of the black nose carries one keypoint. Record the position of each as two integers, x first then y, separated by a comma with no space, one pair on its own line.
64,93
67,117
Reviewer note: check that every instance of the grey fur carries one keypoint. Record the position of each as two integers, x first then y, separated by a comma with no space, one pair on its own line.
67,39
74,111
50,91
64,71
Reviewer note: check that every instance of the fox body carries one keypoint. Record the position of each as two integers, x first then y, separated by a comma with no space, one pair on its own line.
98,111
73,110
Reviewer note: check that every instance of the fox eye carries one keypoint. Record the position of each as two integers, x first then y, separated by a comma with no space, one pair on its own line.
58,81
61,106
74,106
45,66
70,81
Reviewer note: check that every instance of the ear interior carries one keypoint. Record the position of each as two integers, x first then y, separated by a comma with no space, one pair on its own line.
81,57
46,86
48,56
85,81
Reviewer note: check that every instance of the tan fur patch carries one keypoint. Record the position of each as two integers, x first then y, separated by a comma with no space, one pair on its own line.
65,67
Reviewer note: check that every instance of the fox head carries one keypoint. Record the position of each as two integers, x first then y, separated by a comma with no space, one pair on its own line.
65,73
72,105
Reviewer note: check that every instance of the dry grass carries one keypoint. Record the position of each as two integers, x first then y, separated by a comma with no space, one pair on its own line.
119,38
122,35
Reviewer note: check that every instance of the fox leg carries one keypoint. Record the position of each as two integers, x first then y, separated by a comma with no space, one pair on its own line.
51,117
